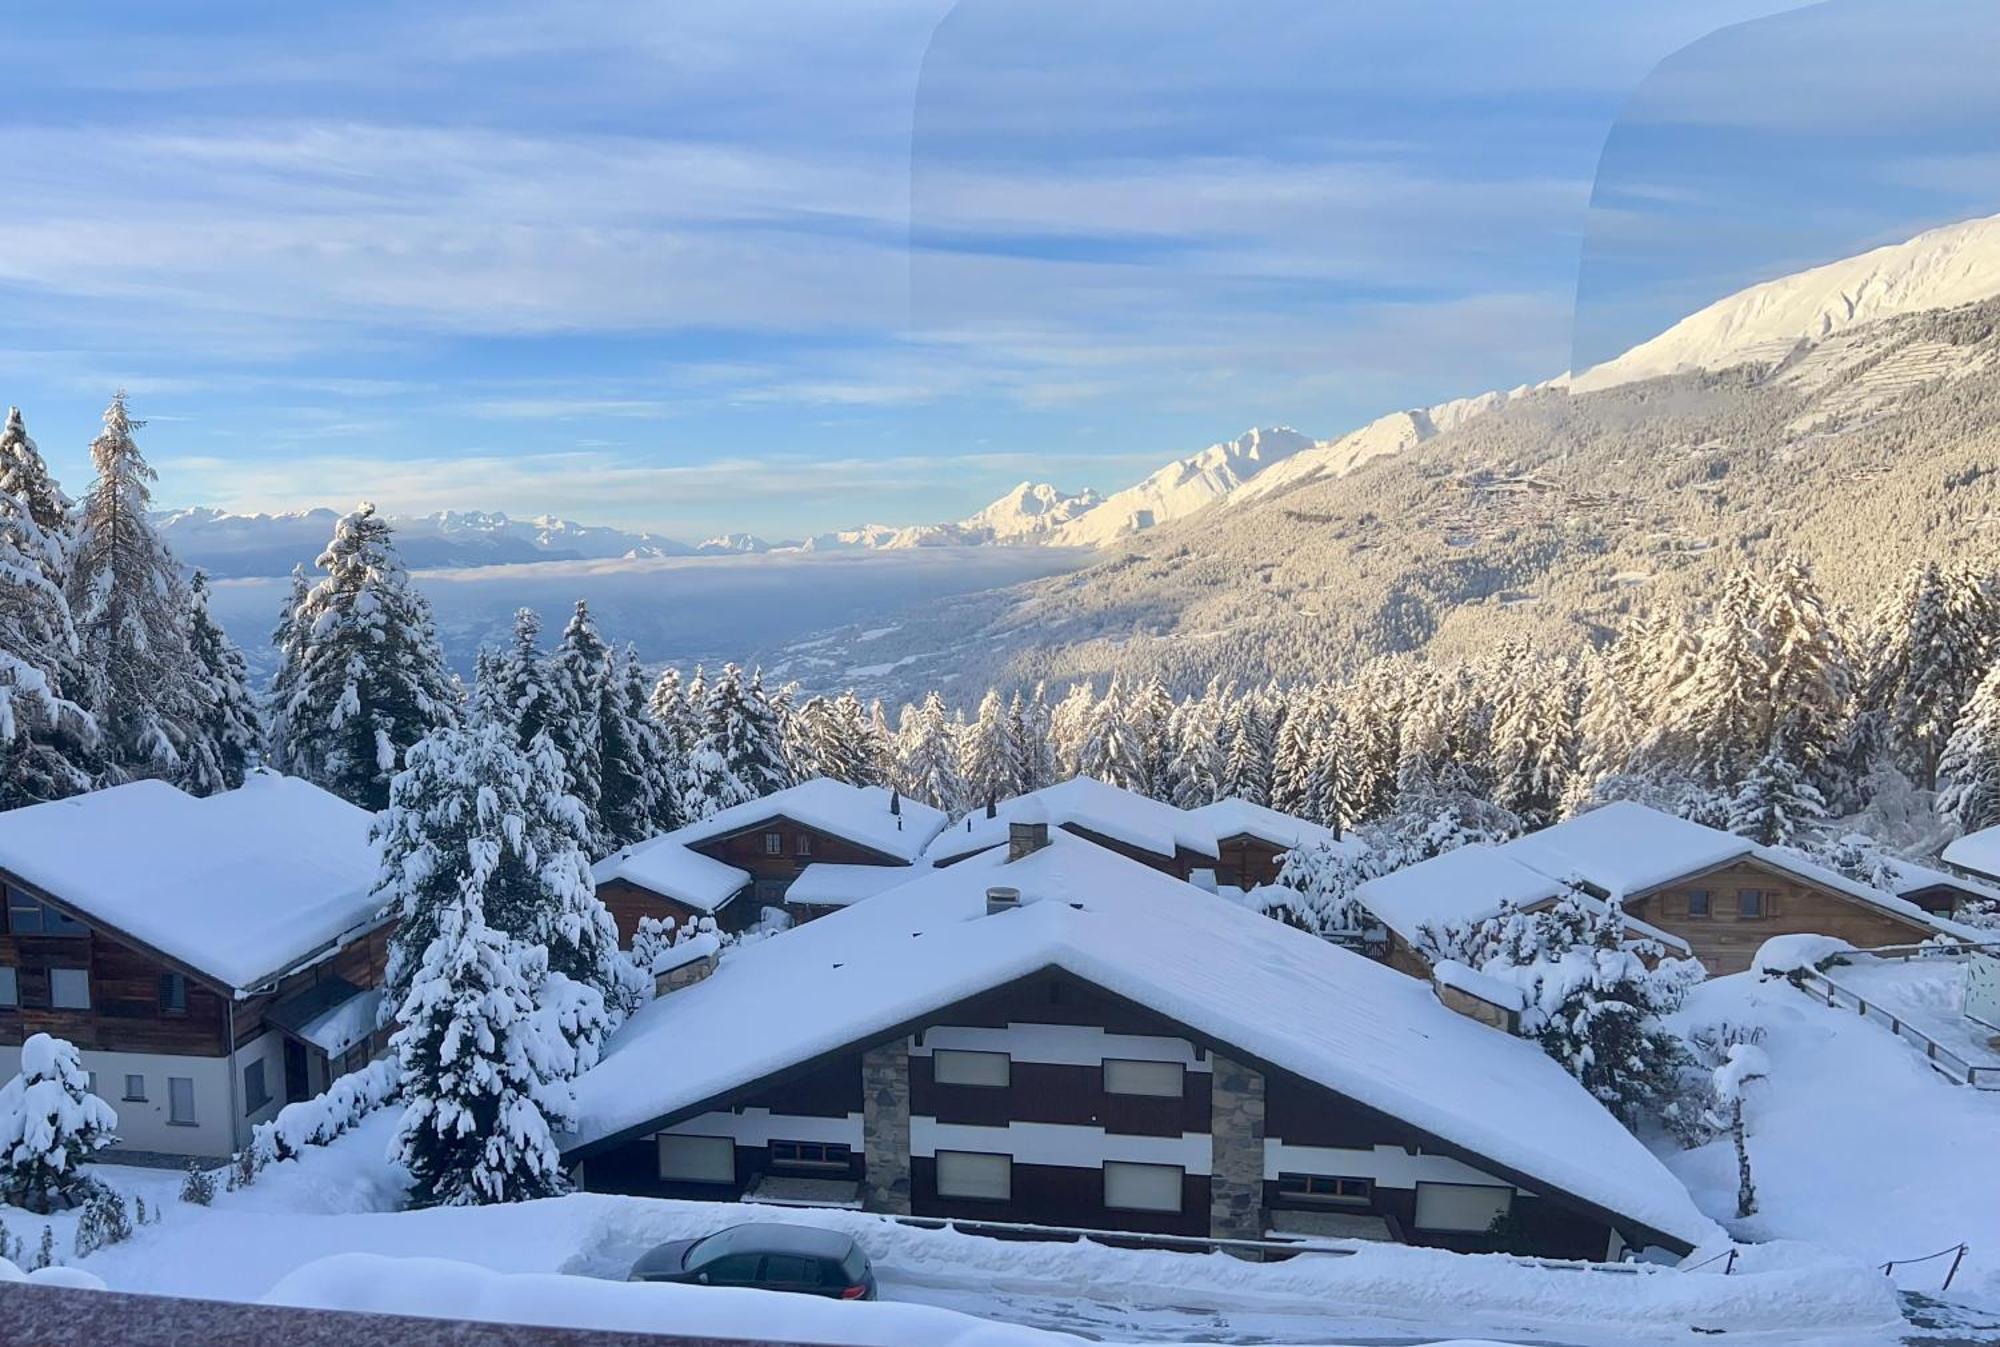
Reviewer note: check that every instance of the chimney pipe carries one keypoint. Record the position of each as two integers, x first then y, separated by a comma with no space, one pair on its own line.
1001,899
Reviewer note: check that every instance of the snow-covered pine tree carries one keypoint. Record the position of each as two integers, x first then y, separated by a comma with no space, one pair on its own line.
288,640
632,801
365,679
1968,794
767,767
1534,743
1931,643
1250,731
986,762
48,743
485,1084
521,680
50,1123
575,682
1030,740
1323,876
25,476
736,757
1812,684
1111,749
229,731
1775,804
927,756
129,608
1722,713
1069,722
1149,710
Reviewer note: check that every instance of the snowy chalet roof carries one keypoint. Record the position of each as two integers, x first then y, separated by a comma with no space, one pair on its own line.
1234,979
824,884
1085,802
1627,849
239,886
861,814
1240,818
665,867
1455,888
1979,852
1914,877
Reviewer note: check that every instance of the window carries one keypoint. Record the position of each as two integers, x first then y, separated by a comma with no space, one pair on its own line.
812,1154
90,1079
1749,902
774,844
69,988
803,844
1461,1206
1163,1079
135,1089
789,1270
28,916
1697,902
1133,1187
975,1175
1325,1188
255,1095
180,1101
10,988
698,1159
732,1269
173,994
955,1066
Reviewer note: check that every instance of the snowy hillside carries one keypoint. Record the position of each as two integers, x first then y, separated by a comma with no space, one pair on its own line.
1942,268
1182,487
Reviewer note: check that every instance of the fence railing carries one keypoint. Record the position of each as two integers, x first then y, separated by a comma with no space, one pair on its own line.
1943,1060
1956,1253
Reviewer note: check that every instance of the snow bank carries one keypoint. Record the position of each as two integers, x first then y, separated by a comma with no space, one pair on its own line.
314,1122
442,1288
1783,954
73,1277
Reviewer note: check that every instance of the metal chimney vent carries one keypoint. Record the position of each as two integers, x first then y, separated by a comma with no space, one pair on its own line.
1000,899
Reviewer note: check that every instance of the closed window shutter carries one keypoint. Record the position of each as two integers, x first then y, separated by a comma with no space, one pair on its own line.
1460,1206
1151,1078
1135,1187
698,1159
957,1066
976,1175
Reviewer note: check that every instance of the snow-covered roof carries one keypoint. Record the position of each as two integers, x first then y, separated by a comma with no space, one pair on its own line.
861,814
827,885
665,867
1627,849
1085,802
1914,877
238,886
1467,885
1240,818
1236,979
1978,851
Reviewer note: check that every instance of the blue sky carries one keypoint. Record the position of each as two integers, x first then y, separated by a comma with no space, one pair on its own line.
793,265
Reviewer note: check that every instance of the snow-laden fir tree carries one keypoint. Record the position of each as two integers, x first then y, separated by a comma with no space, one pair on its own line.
1811,682
363,679
1930,644
1968,794
1149,710
635,786
25,476
737,757
129,609
1775,805
485,1084
288,640
1030,742
522,694
927,756
50,1123
228,732
1722,712
834,740
1069,721
1251,735
1320,879
48,743
576,684
567,918
986,760
1111,748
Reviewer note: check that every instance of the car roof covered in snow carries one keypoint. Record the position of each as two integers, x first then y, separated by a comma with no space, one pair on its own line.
238,886
895,826
808,1241
1239,818
1627,849
665,867
1084,802
1232,978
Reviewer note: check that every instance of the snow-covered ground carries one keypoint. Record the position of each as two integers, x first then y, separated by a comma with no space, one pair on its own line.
1854,1142
273,1240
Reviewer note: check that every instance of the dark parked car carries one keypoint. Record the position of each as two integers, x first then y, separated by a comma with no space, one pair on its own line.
768,1257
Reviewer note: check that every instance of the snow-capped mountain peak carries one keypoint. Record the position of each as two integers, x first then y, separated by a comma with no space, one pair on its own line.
1183,486
1030,508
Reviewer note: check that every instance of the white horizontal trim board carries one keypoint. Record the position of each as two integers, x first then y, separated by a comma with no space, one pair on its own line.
1065,1144
760,1127
1060,1044
1389,1166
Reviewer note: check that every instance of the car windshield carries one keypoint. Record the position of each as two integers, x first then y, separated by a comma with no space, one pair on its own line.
719,1245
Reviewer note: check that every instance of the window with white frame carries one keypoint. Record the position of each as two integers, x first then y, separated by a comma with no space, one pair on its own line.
976,1175
958,1066
697,1159
1137,1187
774,844
180,1101
69,988
1160,1079
1464,1207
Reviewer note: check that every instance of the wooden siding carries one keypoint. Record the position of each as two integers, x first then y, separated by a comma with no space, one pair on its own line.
1044,1092
1060,1195
125,1012
746,850
628,902
1248,861
1725,941
362,963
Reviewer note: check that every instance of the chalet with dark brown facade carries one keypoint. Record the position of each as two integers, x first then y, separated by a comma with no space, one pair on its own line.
746,858
212,959
1053,1034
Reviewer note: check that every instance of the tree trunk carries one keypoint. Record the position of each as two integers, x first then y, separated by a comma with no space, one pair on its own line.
1746,1190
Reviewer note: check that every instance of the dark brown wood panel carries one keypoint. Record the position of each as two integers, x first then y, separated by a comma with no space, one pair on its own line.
1725,941
1061,1195
831,1090
126,1013
1044,1092
1248,861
